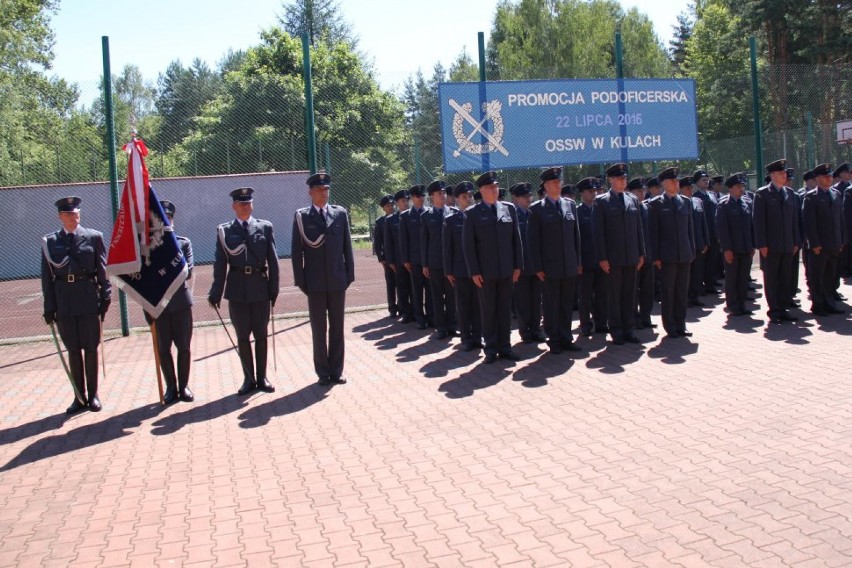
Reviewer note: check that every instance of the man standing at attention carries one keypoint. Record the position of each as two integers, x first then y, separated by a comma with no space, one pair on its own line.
323,269
492,249
76,294
245,268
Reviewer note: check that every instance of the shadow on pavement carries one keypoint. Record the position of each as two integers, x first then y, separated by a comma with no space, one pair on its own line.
414,352
673,351
380,323
794,333
297,401
457,358
199,413
838,324
406,335
480,377
613,358
34,428
112,428
743,324
537,373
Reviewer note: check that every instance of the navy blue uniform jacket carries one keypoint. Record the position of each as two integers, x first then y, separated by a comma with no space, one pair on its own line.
492,242
734,225
672,229
554,238
619,237
328,267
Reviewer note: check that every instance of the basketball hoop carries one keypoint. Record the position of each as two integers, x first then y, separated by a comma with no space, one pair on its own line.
844,132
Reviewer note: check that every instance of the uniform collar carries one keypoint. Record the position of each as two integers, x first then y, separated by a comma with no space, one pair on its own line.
66,233
317,209
250,220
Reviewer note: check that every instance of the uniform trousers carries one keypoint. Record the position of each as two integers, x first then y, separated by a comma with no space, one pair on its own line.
390,287
558,310
403,291
175,328
621,296
81,336
696,275
418,293
251,318
736,281
645,292
593,297
674,289
527,300
495,298
776,280
822,270
467,308
443,301
711,264
326,313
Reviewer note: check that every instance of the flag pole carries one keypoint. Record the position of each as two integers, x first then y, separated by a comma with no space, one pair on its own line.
156,342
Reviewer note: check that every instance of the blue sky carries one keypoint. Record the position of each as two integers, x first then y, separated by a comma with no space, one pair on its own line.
399,36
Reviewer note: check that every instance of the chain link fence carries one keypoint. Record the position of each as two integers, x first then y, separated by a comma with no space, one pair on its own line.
249,118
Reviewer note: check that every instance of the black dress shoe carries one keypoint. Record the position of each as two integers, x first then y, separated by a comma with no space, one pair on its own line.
422,325
570,346
631,338
95,403
441,335
838,296
586,331
673,335
170,396
324,381
649,324
795,304
186,395
555,350
510,356
406,319
264,385
248,386
337,380
601,329
393,314
75,407
527,339
819,312
618,340
467,346
836,310
684,333
539,336
490,358
788,317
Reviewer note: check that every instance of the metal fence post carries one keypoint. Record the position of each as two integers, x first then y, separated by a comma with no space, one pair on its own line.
755,99
309,105
113,168
619,75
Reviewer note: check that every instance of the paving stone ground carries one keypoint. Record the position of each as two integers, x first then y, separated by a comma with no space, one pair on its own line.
733,448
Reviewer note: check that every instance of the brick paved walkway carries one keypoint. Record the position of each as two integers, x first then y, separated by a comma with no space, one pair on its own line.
734,448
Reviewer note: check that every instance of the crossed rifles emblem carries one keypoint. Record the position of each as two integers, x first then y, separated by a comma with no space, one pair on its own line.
494,140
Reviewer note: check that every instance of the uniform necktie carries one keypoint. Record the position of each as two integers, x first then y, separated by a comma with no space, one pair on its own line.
245,226
621,198
322,216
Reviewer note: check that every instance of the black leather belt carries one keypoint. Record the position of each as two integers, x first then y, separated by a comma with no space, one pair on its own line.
251,269
71,278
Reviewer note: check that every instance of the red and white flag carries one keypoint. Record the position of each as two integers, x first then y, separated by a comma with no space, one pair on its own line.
133,220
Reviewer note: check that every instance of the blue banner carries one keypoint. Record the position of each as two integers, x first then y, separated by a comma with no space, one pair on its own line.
525,124
163,269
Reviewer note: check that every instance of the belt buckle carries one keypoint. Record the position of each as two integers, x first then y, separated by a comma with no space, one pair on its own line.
246,269
71,278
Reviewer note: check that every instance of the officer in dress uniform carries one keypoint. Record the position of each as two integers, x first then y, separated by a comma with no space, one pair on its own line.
736,239
673,249
76,293
455,268
174,326
409,243
825,233
843,174
393,256
527,290
810,183
432,259
386,203
701,183
245,268
701,241
554,244
777,237
592,280
323,268
645,275
494,255
620,247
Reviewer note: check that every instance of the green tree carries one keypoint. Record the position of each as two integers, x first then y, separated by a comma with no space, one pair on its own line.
319,18
677,45
182,91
